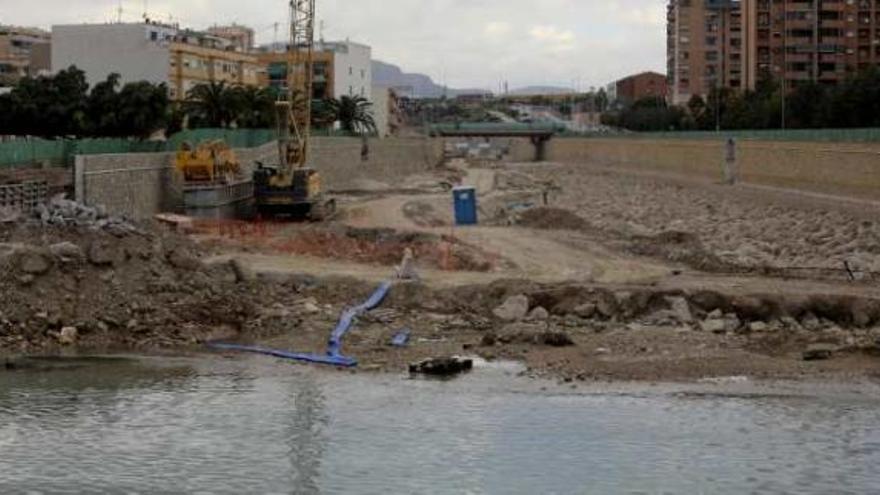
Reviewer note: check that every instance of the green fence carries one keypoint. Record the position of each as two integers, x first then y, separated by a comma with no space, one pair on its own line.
28,152
866,135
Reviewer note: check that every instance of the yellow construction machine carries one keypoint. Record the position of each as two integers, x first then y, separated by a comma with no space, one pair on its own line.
211,162
293,189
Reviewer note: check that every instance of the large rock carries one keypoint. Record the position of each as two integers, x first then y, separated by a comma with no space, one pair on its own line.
863,313
514,308
714,326
811,322
67,252
243,272
103,253
539,314
585,311
681,309
607,306
758,327
819,352
68,336
34,262
183,260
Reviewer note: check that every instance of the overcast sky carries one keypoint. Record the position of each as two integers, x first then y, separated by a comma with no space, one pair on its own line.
465,43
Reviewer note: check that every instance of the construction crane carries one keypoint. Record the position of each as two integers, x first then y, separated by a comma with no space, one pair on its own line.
293,189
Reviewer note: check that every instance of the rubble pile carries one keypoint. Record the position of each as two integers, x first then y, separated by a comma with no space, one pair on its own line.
63,212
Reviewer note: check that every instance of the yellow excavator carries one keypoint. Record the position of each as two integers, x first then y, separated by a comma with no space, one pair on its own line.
293,189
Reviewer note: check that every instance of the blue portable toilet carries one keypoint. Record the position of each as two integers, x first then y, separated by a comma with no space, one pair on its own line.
465,205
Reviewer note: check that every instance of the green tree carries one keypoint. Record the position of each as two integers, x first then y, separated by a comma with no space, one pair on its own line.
255,106
353,114
103,107
50,106
652,114
212,104
144,109
808,107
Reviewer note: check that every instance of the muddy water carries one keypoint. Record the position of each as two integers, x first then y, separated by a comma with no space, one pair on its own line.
251,425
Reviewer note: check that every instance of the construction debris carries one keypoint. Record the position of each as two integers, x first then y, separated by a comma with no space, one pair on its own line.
61,212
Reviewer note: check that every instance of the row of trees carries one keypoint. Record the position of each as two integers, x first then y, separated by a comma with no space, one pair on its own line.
63,106
853,103
220,105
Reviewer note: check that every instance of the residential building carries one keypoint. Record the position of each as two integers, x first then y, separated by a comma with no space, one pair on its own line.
387,111
705,47
644,85
197,58
735,43
23,53
340,69
813,41
152,52
242,37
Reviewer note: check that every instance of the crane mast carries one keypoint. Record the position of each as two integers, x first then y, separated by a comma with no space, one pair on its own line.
293,189
295,114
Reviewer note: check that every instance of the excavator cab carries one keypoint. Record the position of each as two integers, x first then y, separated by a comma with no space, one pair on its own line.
302,199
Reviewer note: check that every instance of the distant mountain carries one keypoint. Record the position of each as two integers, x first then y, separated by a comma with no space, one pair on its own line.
411,84
541,90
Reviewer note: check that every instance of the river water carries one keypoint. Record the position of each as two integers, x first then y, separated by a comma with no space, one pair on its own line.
208,424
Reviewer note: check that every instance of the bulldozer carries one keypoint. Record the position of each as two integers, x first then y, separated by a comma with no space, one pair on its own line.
293,188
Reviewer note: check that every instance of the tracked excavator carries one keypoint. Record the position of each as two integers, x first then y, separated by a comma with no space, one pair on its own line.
293,189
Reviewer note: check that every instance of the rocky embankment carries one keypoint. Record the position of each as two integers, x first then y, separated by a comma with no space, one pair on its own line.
73,276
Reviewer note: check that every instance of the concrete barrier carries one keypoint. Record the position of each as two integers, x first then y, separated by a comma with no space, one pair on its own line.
845,169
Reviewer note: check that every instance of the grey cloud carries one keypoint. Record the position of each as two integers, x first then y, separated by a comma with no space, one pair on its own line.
469,43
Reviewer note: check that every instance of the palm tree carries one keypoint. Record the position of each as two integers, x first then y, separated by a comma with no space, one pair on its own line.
213,104
353,114
255,106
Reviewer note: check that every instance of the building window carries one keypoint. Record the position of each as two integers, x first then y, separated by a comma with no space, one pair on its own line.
351,71
363,74
154,36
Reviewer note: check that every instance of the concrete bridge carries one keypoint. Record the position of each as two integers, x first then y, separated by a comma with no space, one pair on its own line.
538,134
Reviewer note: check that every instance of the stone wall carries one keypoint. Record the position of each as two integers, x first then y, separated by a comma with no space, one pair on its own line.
137,185
846,169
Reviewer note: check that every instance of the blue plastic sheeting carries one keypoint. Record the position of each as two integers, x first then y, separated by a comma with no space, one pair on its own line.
334,355
401,338
341,361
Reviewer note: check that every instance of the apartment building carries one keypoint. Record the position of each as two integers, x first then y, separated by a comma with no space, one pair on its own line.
340,69
152,52
705,47
734,43
24,52
814,40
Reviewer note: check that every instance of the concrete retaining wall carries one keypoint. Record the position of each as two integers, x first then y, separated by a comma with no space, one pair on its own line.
832,168
341,166
139,185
